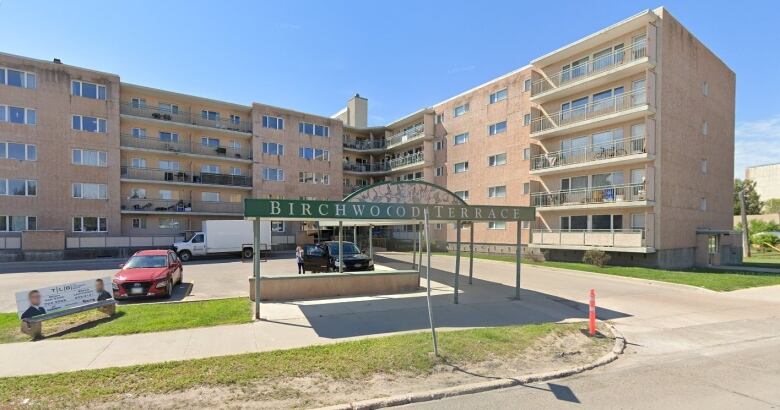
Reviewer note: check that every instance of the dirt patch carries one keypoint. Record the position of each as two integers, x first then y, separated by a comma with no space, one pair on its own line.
555,351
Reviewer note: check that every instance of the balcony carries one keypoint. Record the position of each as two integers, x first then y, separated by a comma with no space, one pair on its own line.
591,156
364,145
364,167
180,206
622,240
176,147
182,177
595,72
607,111
406,161
627,195
183,117
412,133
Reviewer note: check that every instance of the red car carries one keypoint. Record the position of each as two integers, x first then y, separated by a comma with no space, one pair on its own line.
148,273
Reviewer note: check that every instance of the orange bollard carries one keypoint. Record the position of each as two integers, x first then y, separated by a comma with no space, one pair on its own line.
592,313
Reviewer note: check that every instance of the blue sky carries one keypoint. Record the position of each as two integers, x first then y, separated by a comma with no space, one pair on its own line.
401,55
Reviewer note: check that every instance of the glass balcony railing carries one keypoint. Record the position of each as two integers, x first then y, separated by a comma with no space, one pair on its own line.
412,133
590,153
406,160
595,109
365,167
180,206
593,195
590,69
127,140
167,175
364,145
185,117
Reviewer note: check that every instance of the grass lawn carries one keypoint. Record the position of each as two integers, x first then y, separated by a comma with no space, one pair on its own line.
721,281
351,361
135,318
768,260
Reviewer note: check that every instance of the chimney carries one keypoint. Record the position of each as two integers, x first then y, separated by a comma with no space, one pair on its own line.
357,112
57,61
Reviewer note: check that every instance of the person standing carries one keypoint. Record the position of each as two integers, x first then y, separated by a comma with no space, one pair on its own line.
299,259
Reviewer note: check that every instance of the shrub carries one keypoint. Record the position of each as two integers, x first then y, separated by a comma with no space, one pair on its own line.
765,240
597,258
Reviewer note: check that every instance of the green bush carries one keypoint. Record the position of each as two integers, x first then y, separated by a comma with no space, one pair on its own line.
764,240
597,258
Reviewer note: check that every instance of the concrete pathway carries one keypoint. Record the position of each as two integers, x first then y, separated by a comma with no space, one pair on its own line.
655,317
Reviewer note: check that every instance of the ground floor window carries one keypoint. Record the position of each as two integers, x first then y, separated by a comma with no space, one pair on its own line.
169,223
277,226
496,225
139,223
14,223
90,224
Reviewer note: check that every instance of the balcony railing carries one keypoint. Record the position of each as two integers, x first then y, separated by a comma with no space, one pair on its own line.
618,238
412,133
364,144
167,175
184,117
590,153
366,167
127,140
594,195
180,206
595,109
406,160
592,68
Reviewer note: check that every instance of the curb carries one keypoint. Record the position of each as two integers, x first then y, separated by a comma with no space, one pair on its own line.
400,400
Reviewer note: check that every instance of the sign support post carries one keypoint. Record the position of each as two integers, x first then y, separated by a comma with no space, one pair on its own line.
256,264
457,260
419,242
371,241
341,246
471,252
428,288
517,256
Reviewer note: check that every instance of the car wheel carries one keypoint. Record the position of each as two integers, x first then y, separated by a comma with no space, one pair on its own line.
248,253
185,256
169,289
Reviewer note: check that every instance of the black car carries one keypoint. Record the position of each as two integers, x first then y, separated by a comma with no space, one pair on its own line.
324,257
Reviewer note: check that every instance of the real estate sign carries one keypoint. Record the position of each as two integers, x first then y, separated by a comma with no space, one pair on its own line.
49,299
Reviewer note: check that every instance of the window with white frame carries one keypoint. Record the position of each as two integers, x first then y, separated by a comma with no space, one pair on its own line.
89,157
705,128
273,148
17,78
88,90
275,123
318,154
496,160
526,188
234,145
273,174
137,193
18,115
169,165
497,191
209,196
464,195
90,224
638,222
527,85
574,223
169,223
89,124
138,132
138,163
526,119
18,187
460,110
497,128
209,169
702,204
440,118
18,151
461,138
209,142
137,102
525,224
313,129
526,154
305,177
235,119
705,89
438,145
83,190
209,115
606,222
496,225
439,171
499,95
460,167
167,194
18,223
138,223
704,166
169,108
277,226
235,171
170,137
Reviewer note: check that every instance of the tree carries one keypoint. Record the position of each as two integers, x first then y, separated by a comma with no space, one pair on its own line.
753,202
772,206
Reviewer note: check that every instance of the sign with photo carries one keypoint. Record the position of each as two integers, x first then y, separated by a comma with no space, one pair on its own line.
49,299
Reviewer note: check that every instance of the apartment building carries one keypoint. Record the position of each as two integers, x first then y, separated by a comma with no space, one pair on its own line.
767,179
622,140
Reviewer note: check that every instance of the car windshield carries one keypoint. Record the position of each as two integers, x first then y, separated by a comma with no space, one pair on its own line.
146,261
349,248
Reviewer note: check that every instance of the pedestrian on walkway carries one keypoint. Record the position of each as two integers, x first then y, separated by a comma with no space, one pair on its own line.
299,259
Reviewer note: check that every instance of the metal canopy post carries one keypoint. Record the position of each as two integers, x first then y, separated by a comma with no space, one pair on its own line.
256,264
414,247
517,256
457,260
419,242
371,242
471,252
341,246
354,235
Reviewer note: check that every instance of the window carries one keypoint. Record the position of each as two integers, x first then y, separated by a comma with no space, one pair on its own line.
496,160
705,128
139,103
461,167
496,225
438,226
89,124
705,89
90,191
461,138
18,151
209,169
89,157
235,171
139,132
170,137
526,188
525,224
526,154
313,178
702,204
234,145
499,95
704,166
18,187
574,223
497,128
138,163
235,119
169,165
137,193
638,221
460,110
17,115
139,223
275,123
277,226
497,191
712,244
166,194
88,90
169,108
313,129
273,174
526,119
439,171
90,224
209,196
314,153
209,115
438,145
272,148
440,118
169,223
527,85
464,195
16,78
206,141
606,222
13,223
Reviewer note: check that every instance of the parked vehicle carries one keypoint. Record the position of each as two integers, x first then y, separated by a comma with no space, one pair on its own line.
224,236
324,257
149,273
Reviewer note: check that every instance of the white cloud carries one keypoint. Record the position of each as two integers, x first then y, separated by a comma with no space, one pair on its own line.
756,143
